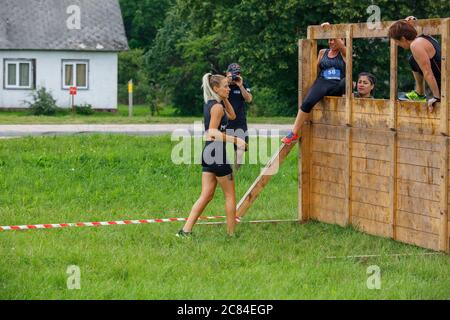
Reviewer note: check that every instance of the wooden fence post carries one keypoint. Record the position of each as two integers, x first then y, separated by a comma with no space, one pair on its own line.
445,88
307,62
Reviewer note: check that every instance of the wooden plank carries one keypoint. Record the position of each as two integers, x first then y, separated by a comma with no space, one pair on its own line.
419,206
369,196
362,30
418,222
418,174
328,117
444,243
371,212
430,146
307,60
411,109
372,227
419,157
418,238
327,174
418,125
444,175
329,203
371,137
393,85
329,146
348,179
418,137
328,188
445,71
326,215
371,121
328,132
370,181
329,160
304,178
418,190
393,199
267,173
370,151
371,106
331,104
368,166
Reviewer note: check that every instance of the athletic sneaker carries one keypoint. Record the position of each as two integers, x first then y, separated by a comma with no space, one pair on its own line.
291,137
183,234
414,96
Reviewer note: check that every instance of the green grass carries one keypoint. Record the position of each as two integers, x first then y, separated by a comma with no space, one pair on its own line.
141,115
101,177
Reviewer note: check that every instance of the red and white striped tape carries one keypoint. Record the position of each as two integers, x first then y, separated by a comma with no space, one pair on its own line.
100,224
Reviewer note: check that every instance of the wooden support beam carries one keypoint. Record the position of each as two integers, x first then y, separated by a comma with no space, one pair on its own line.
445,91
393,86
445,67
443,173
349,76
267,173
362,30
393,184
349,121
307,57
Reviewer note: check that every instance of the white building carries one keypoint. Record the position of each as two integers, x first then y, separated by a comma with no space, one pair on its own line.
58,44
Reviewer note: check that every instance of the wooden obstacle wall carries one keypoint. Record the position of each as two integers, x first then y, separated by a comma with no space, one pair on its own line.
379,165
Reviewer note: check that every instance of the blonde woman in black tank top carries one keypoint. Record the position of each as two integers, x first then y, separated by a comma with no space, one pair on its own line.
215,167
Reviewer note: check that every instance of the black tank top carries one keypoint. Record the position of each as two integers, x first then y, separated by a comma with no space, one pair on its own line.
207,116
434,61
327,63
209,155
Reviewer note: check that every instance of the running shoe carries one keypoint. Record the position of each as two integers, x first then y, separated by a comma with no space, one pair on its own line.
414,96
291,137
183,234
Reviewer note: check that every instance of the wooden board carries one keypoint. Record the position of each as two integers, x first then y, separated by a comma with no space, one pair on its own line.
267,173
418,238
372,227
329,160
362,30
371,212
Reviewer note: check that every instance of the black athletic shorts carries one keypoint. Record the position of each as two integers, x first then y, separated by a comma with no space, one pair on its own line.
214,159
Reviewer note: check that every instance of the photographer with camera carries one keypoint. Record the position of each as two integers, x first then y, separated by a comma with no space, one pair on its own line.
239,96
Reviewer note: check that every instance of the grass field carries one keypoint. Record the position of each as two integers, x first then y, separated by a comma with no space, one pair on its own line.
101,177
141,115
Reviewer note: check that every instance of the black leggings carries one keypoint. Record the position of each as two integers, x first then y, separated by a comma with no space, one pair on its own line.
320,89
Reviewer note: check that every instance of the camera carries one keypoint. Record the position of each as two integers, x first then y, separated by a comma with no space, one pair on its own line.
235,76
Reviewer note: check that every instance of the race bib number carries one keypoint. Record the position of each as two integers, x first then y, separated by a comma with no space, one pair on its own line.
332,74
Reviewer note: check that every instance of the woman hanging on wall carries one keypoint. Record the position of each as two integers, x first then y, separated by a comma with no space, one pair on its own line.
330,82
425,60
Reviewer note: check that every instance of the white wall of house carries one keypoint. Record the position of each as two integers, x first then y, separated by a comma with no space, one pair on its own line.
102,78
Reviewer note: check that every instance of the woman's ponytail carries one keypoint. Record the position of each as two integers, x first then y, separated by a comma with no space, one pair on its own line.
209,80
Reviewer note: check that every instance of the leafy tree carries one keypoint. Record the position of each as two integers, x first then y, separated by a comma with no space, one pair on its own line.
202,36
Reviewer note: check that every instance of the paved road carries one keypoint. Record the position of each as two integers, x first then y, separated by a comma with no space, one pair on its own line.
8,131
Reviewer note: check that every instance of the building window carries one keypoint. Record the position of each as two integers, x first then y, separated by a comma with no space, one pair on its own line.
19,74
75,74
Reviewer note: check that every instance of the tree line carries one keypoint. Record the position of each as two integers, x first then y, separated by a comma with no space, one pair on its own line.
174,42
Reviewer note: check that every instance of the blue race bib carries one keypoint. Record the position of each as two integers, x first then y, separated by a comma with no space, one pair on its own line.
332,74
